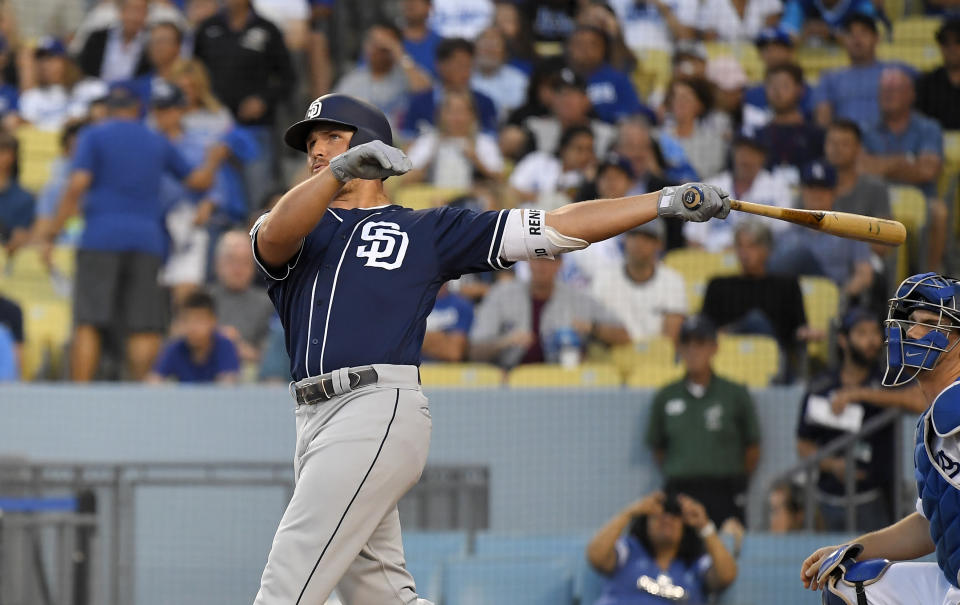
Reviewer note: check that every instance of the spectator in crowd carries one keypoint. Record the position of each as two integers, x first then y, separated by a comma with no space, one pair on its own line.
49,197
388,75
776,48
860,340
454,63
419,39
756,302
813,21
456,152
244,311
164,45
852,92
748,180
11,340
649,297
569,106
906,148
106,14
785,507
540,90
938,91
52,89
688,102
857,193
737,20
461,18
799,251
17,208
201,354
703,429
656,24
448,326
661,548
494,77
9,93
729,83
549,181
118,52
611,92
518,33
123,241
602,16
251,74
527,322
790,138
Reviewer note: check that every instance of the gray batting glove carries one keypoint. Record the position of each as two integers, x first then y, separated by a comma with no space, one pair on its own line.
697,202
370,161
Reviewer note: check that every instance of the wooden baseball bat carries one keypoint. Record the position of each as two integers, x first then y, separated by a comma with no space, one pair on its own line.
842,224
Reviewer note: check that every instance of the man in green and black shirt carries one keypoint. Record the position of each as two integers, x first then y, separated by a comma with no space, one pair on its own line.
703,429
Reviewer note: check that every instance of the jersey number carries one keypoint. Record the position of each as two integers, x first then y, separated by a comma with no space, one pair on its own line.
386,247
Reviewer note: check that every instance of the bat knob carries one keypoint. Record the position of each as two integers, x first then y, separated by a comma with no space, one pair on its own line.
692,198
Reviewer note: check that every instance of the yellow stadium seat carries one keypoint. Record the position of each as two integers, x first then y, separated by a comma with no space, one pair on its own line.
821,303
745,53
420,197
47,327
38,150
654,376
653,352
537,375
654,70
465,375
951,160
909,206
916,30
924,57
693,263
750,360
815,61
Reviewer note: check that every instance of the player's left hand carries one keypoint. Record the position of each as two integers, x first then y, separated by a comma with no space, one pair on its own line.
697,202
370,161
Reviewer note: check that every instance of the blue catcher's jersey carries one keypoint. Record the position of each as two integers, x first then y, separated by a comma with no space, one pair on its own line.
937,459
365,280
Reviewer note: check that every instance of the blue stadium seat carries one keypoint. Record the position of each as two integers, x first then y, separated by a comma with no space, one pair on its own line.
426,553
508,581
566,546
588,584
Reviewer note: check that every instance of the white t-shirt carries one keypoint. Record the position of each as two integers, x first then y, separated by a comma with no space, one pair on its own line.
460,18
641,307
506,87
721,17
644,27
49,107
443,157
542,173
767,188
547,132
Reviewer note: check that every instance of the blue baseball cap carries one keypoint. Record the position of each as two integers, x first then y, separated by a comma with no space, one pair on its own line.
855,316
818,174
773,35
164,95
48,46
615,160
121,95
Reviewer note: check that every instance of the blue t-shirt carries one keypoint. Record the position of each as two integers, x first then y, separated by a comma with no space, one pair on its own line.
122,209
830,256
756,96
365,280
792,145
638,577
451,313
923,135
422,109
796,12
175,361
423,52
613,95
16,210
9,98
853,91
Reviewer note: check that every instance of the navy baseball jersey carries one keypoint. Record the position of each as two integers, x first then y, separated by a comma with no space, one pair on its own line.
365,280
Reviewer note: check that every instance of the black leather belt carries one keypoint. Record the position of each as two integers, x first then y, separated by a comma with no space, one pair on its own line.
327,386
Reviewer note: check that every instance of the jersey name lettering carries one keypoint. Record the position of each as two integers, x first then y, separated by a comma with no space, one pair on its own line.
387,245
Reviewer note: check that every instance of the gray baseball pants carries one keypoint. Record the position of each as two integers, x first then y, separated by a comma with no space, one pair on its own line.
356,456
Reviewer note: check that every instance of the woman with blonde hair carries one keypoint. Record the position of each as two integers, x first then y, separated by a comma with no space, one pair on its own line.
204,111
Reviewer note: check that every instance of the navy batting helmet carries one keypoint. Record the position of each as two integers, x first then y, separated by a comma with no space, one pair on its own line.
367,122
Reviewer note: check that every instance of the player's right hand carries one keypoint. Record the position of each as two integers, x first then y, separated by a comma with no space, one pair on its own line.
370,161
697,202
811,565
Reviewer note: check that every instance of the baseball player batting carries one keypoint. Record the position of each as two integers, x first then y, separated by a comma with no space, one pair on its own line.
922,334
353,278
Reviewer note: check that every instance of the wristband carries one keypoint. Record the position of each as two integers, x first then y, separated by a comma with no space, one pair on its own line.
708,530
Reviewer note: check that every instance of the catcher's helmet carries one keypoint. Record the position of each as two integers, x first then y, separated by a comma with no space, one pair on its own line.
367,122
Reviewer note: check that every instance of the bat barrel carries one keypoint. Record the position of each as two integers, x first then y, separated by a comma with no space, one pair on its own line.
842,224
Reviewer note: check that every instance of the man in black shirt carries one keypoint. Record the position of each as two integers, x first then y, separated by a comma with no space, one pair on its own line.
755,301
938,91
861,344
790,138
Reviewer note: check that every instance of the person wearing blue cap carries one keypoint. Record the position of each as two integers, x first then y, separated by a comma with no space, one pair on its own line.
775,47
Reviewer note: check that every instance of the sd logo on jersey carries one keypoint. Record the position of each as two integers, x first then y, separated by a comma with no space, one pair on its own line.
388,245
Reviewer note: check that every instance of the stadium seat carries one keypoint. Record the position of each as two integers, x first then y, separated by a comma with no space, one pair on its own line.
745,54
464,375
508,581
916,30
38,150
909,206
419,197
653,71
47,327
570,546
814,61
750,360
654,375
426,552
951,161
655,351
821,303
698,267
923,57
540,375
